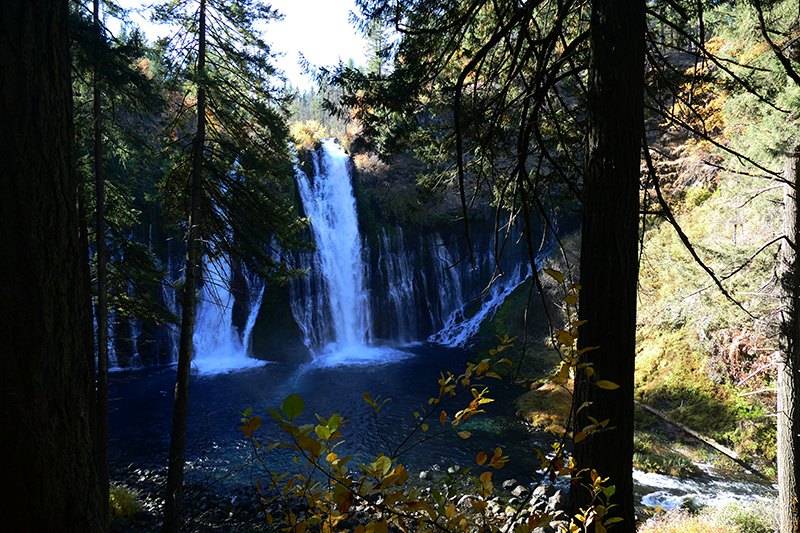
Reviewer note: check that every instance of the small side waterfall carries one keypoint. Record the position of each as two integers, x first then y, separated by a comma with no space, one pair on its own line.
217,344
331,303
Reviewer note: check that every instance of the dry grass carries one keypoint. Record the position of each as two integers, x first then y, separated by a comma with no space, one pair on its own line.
682,522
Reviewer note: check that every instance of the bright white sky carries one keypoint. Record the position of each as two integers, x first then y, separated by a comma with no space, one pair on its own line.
319,29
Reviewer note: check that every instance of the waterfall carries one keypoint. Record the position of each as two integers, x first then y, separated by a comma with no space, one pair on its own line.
362,294
333,306
393,289
217,345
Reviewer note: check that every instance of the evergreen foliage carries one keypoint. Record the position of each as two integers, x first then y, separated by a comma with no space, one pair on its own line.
247,172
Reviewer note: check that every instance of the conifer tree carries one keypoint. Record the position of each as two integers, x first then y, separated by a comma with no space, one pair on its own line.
765,34
231,164
108,84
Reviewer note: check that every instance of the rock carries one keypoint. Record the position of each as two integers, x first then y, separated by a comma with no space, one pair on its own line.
513,501
557,501
509,484
544,491
464,500
520,491
539,506
424,474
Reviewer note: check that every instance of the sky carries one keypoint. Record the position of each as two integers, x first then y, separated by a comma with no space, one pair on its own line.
319,29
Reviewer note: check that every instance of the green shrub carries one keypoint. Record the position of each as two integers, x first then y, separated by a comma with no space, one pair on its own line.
668,463
123,502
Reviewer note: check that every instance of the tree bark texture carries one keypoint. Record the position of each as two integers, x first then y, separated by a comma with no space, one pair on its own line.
45,388
609,261
788,441
173,505
101,434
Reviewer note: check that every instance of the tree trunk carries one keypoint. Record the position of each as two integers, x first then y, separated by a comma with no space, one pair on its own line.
788,423
101,434
45,391
609,262
177,448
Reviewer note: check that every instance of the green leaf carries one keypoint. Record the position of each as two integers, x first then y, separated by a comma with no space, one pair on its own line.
382,465
334,422
275,414
293,406
248,411
323,432
313,446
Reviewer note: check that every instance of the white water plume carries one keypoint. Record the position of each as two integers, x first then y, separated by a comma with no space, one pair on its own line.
217,344
335,313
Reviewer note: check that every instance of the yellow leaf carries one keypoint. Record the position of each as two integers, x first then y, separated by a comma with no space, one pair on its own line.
450,511
571,299
607,385
555,274
479,505
565,338
443,418
481,458
464,434
579,436
381,526
563,373
424,427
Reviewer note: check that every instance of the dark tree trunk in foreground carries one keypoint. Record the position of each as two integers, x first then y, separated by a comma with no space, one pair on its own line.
46,450
177,448
101,443
609,263
788,441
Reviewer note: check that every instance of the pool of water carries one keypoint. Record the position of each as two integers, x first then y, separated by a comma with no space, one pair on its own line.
141,412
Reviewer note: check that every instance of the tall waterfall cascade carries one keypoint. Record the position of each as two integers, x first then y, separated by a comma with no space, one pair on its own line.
333,310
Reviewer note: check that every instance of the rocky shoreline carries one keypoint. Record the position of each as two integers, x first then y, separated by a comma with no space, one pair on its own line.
237,508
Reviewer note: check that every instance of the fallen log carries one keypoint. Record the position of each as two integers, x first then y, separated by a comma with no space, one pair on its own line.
704,439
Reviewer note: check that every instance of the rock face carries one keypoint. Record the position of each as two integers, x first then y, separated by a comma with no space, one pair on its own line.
276,335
